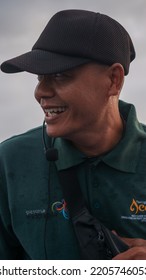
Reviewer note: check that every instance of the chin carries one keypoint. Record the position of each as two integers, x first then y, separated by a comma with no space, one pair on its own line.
66,134
53,132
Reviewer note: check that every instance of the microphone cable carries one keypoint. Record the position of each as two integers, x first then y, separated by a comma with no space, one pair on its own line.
51,156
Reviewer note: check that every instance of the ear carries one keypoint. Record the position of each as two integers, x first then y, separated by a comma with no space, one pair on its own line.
116,75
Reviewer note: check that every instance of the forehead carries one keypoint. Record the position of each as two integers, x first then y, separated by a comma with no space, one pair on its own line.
90,66
85,69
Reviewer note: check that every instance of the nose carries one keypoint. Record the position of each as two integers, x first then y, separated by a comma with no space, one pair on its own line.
44,90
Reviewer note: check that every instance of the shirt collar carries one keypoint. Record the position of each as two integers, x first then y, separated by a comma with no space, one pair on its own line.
123,156
68,155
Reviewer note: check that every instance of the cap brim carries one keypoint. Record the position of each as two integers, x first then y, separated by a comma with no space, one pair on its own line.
42,62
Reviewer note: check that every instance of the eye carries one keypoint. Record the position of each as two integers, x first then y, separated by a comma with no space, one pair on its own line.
63,76
58,76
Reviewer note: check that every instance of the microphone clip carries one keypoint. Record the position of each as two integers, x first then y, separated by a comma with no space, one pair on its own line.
50,152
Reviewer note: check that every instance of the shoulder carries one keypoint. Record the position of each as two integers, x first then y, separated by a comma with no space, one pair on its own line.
30,134
31,138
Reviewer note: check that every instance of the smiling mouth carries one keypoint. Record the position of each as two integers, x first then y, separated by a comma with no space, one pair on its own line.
54,111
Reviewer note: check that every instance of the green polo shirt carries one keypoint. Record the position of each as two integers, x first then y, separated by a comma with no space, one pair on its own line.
34,221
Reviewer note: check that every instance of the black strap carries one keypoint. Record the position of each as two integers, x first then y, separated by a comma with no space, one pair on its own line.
71,191
89,234
94,239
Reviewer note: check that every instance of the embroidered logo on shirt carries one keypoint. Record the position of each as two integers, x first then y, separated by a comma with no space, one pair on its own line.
37,213
137,210
57,207
60,207
138,207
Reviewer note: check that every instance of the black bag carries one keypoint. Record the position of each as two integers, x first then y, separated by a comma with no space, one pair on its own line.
96,242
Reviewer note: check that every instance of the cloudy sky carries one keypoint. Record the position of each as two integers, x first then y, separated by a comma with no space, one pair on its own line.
21,22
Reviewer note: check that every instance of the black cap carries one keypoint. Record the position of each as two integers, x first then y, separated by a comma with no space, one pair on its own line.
72,38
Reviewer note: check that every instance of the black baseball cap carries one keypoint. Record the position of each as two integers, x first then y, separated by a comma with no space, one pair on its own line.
72,38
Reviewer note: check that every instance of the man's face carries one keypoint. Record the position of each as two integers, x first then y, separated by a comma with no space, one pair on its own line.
75,101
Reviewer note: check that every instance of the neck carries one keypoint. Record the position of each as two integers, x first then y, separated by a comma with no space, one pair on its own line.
101,141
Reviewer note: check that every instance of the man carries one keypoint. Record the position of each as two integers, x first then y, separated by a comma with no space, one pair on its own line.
81,59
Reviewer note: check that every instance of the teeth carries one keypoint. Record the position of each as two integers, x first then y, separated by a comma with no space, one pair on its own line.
54,111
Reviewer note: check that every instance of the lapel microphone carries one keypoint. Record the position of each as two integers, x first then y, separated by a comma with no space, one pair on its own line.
50,152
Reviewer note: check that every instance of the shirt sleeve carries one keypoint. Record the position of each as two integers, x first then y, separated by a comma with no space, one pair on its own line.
10,247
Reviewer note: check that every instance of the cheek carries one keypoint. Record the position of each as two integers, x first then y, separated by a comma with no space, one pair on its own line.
82,110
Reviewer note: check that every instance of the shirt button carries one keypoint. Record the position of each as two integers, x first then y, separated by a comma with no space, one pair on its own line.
93,167
95,185
97,205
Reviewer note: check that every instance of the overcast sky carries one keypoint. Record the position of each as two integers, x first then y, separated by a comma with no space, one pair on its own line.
21,22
